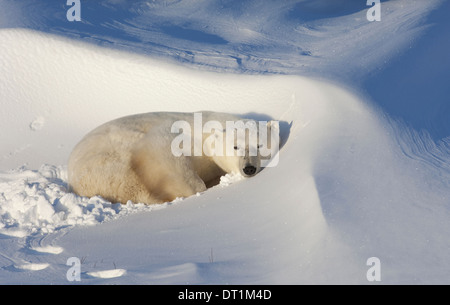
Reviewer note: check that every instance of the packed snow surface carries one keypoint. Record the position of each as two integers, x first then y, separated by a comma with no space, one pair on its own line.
364,168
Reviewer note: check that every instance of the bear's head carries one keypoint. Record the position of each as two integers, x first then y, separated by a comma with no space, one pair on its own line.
238,147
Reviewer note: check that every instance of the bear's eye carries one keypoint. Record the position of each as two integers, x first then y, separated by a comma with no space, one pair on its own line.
259,146
235,148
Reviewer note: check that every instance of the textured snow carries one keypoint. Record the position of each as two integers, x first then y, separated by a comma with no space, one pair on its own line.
363,171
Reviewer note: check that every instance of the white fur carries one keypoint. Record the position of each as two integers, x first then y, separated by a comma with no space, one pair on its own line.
131,159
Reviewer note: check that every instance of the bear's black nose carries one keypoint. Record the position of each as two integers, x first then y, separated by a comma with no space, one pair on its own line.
249,170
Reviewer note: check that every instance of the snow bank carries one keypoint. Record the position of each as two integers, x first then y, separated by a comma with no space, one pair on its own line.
137,84
345,189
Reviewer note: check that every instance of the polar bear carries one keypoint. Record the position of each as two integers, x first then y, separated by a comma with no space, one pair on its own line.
145,158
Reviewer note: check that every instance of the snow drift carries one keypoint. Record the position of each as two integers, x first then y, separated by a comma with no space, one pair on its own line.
349,185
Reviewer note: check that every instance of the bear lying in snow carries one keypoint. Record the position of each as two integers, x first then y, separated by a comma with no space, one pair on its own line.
146,158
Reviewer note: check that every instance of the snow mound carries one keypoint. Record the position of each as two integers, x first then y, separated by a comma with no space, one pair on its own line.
107,274
32,267
229,179
344,189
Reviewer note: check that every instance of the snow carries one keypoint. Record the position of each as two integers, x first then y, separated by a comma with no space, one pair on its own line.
39,202
107,274
363,170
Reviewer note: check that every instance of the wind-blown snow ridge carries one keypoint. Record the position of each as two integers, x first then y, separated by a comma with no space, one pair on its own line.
351,184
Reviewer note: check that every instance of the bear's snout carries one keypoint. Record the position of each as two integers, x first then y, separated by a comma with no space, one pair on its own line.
249,170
